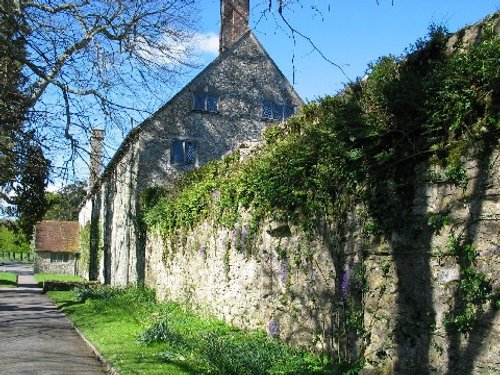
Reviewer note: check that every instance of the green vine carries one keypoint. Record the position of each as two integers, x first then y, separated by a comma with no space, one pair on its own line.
84,259
358,147
227,266
474,290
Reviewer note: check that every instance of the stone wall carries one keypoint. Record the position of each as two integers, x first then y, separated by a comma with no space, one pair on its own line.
242,79
42,264
351,292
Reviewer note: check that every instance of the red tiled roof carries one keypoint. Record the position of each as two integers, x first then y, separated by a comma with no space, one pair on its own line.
57,236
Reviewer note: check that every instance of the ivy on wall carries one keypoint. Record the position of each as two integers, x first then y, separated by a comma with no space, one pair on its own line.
85,238
84,259
359,148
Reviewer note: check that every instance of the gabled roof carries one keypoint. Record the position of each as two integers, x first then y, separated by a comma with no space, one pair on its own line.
57,236
137,130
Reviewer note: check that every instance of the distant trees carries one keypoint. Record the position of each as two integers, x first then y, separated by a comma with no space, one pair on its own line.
23,166
29,202
12,241
64,204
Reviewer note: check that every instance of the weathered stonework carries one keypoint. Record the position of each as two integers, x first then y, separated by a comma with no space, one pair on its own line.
42,264
287,281
242,78
305,290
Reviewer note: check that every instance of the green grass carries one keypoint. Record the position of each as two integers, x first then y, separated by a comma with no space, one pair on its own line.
139,336
8,279
41,277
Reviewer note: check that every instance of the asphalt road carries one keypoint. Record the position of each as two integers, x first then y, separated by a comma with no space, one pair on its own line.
35,337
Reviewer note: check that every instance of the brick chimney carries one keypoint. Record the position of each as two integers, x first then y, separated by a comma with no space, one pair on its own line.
234,22
95,166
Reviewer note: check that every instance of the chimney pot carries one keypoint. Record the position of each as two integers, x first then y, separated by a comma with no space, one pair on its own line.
96,140
234,22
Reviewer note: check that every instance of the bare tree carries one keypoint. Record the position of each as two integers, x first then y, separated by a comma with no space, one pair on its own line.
86,60
282,13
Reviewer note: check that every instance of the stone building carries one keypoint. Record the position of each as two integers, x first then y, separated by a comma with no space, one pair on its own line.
56,247
229,103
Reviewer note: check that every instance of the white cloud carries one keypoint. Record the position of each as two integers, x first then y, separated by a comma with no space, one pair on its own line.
169,51
207,43
172,51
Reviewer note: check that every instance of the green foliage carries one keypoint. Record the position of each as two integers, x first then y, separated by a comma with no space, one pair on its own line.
41,277
359,147
158,332
84,246
12,241
108,293
32,172
474,290
437,220
23,167
12,101
8,279
354,320
118,321
217,348
257,354
64,204
91,247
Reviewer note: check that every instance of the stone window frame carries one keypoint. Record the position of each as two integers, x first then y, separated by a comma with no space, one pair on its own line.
204,102
59,257
184,143
275,111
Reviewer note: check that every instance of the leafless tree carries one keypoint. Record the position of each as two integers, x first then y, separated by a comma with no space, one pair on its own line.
86,60
284,12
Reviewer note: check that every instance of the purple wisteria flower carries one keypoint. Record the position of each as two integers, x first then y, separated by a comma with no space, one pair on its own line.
344,283
244,233
273,328
243,236
215,194
235,237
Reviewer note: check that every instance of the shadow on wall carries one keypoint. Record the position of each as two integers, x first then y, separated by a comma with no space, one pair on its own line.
421,297
314,289
464,350
418,337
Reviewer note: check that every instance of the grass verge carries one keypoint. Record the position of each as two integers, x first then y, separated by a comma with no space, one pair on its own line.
8,279
41,277
139,336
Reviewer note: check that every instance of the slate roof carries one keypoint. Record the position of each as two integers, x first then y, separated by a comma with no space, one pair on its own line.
57,236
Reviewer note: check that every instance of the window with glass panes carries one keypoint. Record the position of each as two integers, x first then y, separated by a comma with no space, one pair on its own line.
183,152
205,103
59,258
276,112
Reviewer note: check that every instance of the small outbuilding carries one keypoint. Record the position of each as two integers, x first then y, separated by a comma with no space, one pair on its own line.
56,247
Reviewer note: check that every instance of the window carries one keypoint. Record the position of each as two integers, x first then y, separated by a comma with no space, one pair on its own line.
59,258
277,112
205,103
183,152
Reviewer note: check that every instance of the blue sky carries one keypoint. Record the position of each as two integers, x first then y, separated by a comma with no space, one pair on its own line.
352,33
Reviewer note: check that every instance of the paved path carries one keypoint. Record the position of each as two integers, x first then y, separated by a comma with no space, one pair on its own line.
35,337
